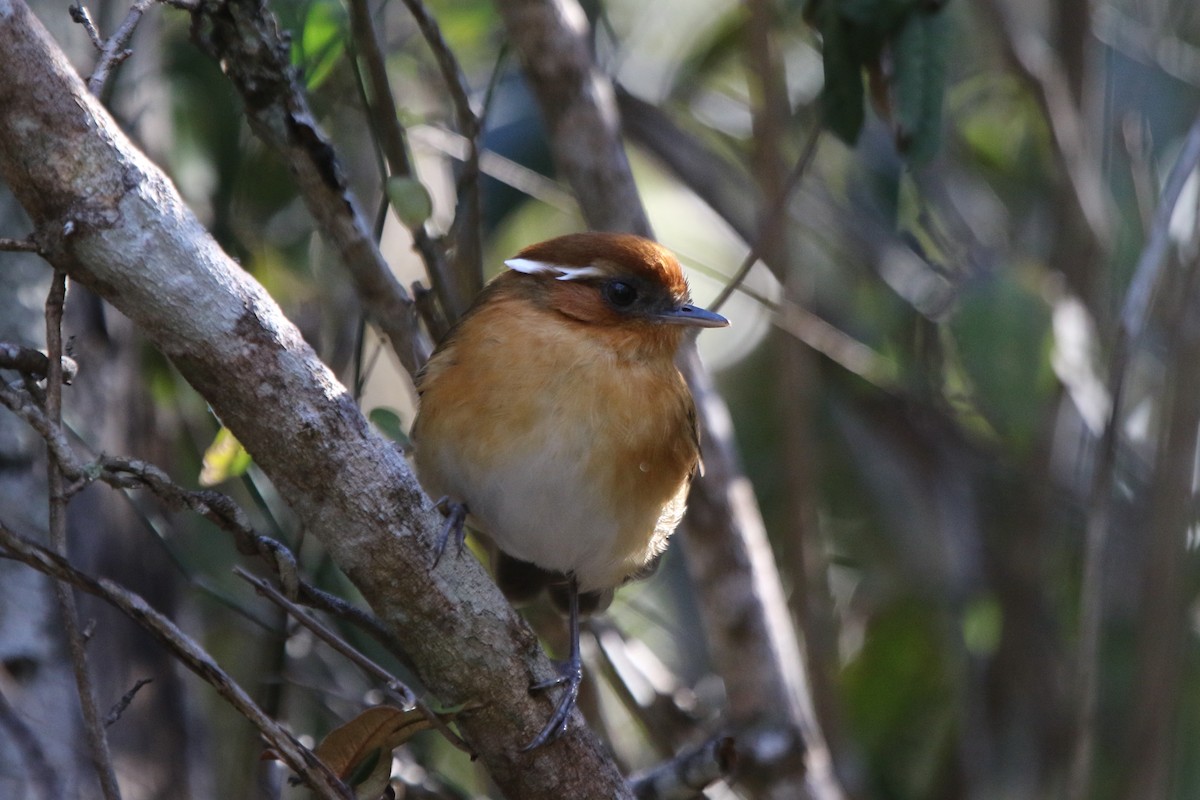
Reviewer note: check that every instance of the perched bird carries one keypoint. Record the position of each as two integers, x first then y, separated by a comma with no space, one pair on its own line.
553,419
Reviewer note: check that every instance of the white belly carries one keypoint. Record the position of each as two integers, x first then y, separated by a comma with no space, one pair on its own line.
540,507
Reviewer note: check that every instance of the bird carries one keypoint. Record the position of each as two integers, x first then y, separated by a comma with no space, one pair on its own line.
552,418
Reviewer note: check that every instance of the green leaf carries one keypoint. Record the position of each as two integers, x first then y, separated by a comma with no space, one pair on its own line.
842,94
982,624
322,41
904,694
390,425
1002,127
1003,336
410,200
919,54
225,458
883,16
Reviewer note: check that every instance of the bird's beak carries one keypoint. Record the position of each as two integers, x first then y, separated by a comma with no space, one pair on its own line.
692,316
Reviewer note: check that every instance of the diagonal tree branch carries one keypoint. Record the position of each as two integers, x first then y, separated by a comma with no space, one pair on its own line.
110,219
577,102
195,658
247,41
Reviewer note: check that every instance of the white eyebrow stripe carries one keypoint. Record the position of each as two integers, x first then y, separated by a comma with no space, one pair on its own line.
531,267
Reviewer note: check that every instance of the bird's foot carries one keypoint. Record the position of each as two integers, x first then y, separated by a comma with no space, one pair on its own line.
456,519
570,675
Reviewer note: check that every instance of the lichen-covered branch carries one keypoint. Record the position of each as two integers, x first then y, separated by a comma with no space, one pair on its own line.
112,221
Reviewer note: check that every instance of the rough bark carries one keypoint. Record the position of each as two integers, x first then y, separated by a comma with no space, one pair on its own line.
113,222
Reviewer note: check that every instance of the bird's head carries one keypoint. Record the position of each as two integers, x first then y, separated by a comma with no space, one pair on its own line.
630,289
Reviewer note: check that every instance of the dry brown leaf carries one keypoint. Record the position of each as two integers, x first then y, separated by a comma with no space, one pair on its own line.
360,751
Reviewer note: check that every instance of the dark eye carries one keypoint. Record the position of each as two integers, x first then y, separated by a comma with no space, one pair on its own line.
620,293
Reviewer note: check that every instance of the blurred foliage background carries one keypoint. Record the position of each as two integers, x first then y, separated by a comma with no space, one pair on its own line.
1000,560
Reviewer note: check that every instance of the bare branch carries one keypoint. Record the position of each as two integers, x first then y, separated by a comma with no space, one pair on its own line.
835,344
1133,319
81,16
1033,60
392,685
112,50
114,713
225,514
454,293
10,245
724,186
25,407
1145,275
297,756
110,218
217,508
246,40
34,362
577,102
468,248
773,217
76,642
667,725
1163,619
452,74
689,773
494,165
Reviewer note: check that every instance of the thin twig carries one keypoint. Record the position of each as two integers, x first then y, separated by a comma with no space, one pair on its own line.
1134,312
81,16
25,406
452,74
114,53
666,724
359,617
1166,575
114,713
1145,275
10,245
296,755
468,248
76,643
832,342
112,50
454,294
774,215
392,685
217,508
382,106
1037,65
246,39
505,170
34,363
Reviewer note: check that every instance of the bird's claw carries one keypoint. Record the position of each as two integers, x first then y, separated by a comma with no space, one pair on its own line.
570,675
456,518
